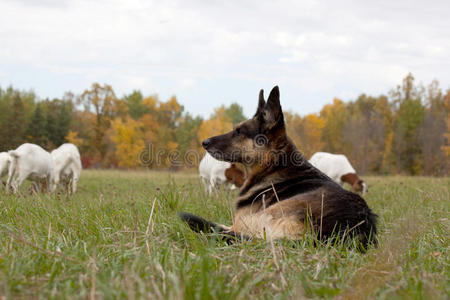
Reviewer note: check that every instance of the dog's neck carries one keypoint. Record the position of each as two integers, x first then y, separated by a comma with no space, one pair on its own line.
277,168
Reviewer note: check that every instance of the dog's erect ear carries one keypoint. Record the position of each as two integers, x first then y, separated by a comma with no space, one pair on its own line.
261,103
272,110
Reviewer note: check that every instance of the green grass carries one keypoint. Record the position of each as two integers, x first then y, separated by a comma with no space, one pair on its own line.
101,243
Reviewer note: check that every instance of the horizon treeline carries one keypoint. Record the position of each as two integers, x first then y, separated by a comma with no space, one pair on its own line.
404,132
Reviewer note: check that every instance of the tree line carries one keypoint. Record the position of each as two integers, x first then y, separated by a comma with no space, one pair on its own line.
404,132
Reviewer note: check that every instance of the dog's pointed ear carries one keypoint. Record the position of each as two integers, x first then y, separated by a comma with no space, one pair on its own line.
261,103
273,112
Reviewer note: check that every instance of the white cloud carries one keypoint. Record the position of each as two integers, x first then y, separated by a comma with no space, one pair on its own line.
214,51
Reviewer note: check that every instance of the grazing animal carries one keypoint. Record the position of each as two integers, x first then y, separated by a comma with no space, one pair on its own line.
67,167
5,160
215,172
338,168
284,196
29,161
235,175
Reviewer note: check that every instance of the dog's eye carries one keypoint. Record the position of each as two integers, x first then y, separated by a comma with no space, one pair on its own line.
238,130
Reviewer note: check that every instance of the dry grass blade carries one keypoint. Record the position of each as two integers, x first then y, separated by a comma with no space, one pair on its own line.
350,230
149,223
276,196
27,242
321,218
93,291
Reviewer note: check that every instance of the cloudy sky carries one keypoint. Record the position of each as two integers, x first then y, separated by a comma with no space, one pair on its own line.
212,52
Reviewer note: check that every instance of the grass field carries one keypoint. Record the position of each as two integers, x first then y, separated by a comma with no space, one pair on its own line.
107,242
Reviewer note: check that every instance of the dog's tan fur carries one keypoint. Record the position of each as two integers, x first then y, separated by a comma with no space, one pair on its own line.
274,222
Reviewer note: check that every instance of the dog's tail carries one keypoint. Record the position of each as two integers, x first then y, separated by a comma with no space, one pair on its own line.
199,224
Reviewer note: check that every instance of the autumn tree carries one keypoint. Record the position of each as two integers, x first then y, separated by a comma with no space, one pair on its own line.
149,119
306,132
365,133
186,138
100,100
407,132
334,116
235,113
432,131
72,137
408,118
135,104
219,123
128,138
169,116
80,134
294,128
446,146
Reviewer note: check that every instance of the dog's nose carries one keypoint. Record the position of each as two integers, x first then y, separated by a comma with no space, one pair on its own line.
206,143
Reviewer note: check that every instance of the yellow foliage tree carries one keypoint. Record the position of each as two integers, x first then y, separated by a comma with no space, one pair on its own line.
294,128
388,164
120,108
72,137
101,101
335,117
313,126
151,128
305,132
151,103
128,137
219,123
170,112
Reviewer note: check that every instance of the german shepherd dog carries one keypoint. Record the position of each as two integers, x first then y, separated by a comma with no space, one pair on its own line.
283,196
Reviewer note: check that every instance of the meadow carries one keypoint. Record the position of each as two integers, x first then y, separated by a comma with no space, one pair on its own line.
119,237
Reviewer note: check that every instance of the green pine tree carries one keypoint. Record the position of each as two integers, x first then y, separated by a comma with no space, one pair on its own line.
63,123
36,132
135,106
235,113
16,124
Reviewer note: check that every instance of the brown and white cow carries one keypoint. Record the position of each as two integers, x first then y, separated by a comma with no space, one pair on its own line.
338,168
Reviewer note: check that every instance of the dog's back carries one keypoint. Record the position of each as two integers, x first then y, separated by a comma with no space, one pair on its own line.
302,198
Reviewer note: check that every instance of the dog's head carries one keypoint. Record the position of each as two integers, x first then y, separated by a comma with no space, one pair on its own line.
250,141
